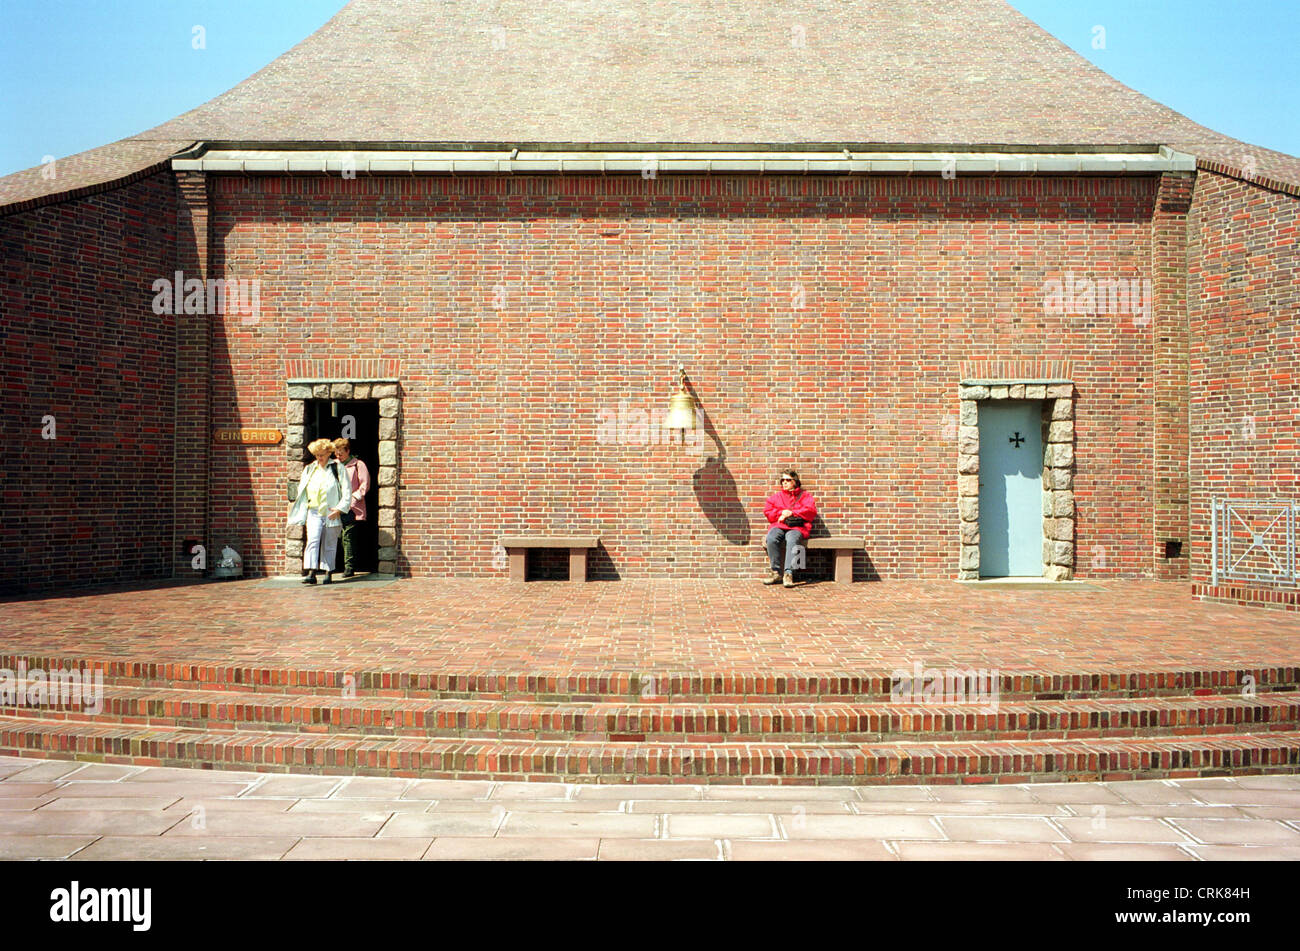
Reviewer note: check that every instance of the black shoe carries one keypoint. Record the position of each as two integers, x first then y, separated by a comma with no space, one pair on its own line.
310,579
349,573
327,577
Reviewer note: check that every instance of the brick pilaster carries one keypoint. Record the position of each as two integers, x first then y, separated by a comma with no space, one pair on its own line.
1169,334
193,377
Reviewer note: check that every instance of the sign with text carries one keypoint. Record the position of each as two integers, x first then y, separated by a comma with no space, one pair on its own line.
247,437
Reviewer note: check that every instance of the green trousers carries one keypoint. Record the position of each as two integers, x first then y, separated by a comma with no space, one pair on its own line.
349,537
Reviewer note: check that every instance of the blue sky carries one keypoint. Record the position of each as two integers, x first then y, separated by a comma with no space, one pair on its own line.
82,73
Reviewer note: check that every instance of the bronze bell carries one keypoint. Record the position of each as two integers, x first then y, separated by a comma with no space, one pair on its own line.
681,408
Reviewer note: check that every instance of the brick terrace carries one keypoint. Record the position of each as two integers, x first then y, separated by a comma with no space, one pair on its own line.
646,626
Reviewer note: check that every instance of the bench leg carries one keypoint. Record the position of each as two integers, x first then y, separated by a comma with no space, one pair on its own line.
518,562
844,565
577,564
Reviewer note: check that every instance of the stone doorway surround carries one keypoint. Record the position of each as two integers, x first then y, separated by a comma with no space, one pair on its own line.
1058,468
388,394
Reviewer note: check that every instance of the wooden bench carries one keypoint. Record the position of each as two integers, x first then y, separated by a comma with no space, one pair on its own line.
844,546
516,547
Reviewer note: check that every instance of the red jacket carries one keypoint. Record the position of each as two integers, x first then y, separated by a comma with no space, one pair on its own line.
799,501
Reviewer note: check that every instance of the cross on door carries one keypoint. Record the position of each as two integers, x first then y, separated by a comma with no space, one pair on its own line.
1016,440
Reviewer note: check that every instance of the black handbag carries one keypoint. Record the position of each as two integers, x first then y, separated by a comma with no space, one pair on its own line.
795,521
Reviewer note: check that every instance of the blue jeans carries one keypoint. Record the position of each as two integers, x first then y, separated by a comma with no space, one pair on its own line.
796,555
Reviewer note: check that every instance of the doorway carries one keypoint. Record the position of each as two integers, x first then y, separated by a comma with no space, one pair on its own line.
1010,488
359,421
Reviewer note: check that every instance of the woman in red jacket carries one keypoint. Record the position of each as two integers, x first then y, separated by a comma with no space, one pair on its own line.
790,512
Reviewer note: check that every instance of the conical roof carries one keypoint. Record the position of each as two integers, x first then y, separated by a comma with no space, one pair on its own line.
929,73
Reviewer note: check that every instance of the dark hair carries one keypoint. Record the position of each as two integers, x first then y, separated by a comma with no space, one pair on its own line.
793,475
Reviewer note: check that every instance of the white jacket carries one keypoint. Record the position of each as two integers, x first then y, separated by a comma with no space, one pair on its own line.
338,493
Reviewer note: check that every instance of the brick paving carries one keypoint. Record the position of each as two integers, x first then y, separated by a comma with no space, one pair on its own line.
662,681
473,627
68,810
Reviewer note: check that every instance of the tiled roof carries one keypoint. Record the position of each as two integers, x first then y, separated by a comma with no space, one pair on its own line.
917,72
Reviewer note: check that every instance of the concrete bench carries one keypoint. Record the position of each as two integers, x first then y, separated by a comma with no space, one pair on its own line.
844,546
516,547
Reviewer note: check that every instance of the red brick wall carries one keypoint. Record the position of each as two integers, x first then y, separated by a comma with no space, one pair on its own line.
520,308
1244,306
79,342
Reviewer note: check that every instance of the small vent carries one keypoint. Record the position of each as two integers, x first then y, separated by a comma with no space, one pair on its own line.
1173,549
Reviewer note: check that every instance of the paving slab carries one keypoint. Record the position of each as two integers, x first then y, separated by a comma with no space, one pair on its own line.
216,823
1152,792
722,827
983,792
1076,793
1239,831
40,771
447,789
484,806
1124,852
357,807
739,793
1185,811
150,790
515,848
999,829
601,825
178,774
281,787
91,803
959,808
511,791
19,790
846,850
24,804
373,787
1115,829
978,852
753,807
107,772
1251,797
1242,853
861,827
134,848
96,822
1291,813
236,806
42,846
658,850
337,849
428,825
637,791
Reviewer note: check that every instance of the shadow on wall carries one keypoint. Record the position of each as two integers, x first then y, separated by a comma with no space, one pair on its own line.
715,488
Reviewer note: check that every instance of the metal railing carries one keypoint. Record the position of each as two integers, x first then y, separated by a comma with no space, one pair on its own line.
1254,541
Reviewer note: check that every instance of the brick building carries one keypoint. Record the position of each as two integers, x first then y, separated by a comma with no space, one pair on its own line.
490,236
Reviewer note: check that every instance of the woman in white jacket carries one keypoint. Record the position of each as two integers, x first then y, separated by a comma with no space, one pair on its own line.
324,492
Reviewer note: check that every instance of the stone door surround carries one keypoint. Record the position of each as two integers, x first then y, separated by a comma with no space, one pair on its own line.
388,393
1058,469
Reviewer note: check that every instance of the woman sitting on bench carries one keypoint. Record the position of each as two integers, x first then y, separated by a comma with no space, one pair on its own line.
790,511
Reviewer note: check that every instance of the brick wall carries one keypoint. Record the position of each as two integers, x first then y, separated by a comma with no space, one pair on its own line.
1244,307
822,323
80,343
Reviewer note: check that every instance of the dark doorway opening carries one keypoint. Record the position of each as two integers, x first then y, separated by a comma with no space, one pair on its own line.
326,419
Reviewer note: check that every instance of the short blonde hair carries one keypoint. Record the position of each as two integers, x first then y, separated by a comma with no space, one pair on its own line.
342,443
317,446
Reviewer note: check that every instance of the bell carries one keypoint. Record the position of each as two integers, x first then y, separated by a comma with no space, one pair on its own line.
681,408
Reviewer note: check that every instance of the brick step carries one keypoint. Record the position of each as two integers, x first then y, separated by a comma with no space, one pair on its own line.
219,710
652,686
572,761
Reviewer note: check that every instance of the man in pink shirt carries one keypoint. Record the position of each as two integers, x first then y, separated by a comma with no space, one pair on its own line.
790,512
360,486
